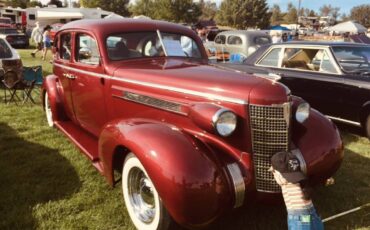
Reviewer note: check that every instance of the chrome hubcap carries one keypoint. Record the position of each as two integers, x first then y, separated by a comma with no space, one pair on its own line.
141,195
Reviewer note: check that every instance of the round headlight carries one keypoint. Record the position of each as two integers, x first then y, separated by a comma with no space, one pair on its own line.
224,121
303,112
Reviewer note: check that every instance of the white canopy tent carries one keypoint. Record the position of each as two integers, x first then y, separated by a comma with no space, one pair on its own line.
350,26
58,15
113,16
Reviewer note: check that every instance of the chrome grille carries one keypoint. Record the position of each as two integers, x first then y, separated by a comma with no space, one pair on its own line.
270,134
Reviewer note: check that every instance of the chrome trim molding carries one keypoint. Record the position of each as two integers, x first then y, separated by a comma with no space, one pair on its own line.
238,183
344,121
302,162
153,102
158,86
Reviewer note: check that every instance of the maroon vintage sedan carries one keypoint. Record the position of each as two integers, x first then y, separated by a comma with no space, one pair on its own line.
191,140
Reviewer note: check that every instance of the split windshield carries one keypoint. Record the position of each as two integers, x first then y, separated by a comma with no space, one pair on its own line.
353,59
151,44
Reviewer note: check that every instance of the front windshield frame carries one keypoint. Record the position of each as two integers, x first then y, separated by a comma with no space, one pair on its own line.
352,59
160,41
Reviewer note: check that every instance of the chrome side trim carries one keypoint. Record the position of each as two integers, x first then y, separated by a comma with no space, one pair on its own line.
238,182
158,86
344,121
152,101
302,162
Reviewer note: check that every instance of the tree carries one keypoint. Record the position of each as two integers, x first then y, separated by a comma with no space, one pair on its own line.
177,10
143,7
18,3
326,10
244,14
117,6
361,14
276,16
209,10
291,16
34,4
335,13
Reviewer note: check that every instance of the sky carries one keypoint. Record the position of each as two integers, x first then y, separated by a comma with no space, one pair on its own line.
345,5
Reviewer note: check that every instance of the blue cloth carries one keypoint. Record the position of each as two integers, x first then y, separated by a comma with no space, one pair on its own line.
47,44
304,219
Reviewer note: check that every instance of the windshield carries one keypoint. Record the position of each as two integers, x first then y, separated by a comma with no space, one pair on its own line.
5,51
151,44
353,59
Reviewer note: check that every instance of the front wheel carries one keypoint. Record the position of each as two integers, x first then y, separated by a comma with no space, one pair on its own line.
141,198
48,112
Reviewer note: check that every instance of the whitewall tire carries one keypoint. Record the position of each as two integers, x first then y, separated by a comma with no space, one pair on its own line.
141,198
48,112
367,126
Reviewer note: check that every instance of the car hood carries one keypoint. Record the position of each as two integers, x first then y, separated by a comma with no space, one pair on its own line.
185,76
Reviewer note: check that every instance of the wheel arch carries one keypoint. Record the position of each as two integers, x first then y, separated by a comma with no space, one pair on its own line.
50,85
194,189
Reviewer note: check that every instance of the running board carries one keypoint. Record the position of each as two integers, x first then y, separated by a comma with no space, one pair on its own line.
87,143
344,121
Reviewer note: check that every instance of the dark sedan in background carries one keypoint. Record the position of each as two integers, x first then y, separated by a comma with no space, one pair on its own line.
333,77
15,38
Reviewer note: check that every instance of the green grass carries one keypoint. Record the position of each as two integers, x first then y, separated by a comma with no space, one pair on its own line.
46,183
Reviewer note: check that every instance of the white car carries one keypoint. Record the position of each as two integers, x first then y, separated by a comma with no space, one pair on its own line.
306,32
9,58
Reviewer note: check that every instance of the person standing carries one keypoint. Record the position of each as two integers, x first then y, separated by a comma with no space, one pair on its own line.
46,41
36,36
296,193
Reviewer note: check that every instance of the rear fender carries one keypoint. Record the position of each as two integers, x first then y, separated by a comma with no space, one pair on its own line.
55,99
193,188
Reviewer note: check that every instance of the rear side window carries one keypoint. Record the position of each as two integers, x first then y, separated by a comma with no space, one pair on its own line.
5,51
65,46
220,39
234,40
262,40
272,58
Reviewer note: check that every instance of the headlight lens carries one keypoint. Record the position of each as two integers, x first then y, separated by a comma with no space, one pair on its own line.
303,112
224,121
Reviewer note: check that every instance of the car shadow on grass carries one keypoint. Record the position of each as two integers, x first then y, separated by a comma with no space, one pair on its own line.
30,174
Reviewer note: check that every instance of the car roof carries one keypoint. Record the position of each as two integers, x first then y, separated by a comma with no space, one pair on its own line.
243,32
111,26
319,43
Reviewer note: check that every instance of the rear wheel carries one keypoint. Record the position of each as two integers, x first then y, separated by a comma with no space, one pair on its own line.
367,126
48,112
141,198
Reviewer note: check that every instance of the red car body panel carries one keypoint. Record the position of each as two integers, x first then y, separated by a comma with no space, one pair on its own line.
183,155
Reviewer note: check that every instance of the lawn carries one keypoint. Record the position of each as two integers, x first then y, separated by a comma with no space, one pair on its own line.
46,183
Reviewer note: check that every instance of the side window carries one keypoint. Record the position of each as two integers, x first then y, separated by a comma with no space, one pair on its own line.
234,40
326,64
272,58
87,51
65,46
220,39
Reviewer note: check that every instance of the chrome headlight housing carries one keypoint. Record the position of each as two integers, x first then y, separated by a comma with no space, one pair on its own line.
224,122
303,112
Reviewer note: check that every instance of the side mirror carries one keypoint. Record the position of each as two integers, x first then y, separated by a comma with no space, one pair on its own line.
84,53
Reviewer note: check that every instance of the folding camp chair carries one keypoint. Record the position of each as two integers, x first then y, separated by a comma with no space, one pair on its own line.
32,73
13,83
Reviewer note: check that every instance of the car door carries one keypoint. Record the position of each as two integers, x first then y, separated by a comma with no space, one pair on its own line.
88,84
62,63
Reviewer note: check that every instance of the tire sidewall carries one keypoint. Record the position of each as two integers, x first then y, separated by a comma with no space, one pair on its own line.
133,162
367,126
49,114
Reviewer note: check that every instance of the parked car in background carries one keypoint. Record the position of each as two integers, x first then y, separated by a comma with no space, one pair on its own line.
192,141
306,31
237,42
10,61
5,23
54,29
333,77
15,38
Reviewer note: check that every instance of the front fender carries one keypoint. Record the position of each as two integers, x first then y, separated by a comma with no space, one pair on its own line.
193,188
320,143
49,85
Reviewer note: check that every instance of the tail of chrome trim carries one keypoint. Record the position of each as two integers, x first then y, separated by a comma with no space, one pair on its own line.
302,162
238,182
345,121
